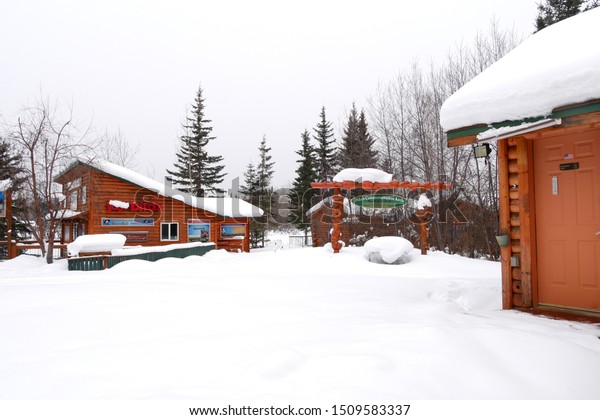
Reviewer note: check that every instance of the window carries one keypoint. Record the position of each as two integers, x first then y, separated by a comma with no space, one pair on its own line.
169,231
73,200
83,195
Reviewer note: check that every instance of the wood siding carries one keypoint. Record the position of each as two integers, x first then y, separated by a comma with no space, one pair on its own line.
516,219
518,211
102,187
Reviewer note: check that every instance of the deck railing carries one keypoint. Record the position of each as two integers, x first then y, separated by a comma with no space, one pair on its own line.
300,240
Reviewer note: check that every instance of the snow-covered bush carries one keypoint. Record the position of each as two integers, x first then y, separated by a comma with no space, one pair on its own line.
388,250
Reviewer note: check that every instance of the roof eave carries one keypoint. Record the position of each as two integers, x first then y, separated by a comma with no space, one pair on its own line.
468,135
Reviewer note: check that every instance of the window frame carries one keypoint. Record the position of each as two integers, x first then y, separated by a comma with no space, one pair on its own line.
162,239
74,200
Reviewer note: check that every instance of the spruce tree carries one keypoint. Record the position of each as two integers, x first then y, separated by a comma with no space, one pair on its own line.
358,147
196,172
368,153
10,169
552,11
251,193
9,163
257,190
302,193
325,153
250,188
264,169
349,149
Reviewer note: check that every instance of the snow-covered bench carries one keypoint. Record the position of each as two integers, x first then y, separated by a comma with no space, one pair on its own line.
100,243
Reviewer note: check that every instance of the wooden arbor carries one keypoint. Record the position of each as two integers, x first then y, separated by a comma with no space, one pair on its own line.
338,202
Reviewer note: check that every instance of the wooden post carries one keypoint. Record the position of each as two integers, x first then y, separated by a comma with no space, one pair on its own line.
337,215
424,216
11,248
505,251
525,207
424,244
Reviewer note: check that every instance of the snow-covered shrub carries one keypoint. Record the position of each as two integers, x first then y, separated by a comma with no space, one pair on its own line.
388,250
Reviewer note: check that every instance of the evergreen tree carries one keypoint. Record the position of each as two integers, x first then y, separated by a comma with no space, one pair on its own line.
368,152
196,172
302,193
251,193
10,169
250,188
349,148
552,11
264,170
9,163
357,149
257,190
325,157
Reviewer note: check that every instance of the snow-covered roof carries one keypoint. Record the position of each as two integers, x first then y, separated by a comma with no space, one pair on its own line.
510,131
362,174
224,206
557,66
66,213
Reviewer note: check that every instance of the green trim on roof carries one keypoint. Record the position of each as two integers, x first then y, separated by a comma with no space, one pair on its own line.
582,109
559,113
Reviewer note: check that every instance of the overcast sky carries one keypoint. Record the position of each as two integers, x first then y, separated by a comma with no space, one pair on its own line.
266,67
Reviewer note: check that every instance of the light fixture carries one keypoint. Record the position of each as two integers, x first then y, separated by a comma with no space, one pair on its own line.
482,150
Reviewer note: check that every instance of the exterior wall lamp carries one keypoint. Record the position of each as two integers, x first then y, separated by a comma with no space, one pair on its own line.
482,150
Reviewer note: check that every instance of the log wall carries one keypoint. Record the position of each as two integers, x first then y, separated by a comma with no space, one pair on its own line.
516,219
102,187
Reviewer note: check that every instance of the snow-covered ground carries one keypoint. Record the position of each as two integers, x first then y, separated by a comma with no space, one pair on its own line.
283,325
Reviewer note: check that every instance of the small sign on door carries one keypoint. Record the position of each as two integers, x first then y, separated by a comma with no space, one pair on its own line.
569,166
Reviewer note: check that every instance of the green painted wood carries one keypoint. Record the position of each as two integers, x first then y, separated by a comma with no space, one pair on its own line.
98,263
86,264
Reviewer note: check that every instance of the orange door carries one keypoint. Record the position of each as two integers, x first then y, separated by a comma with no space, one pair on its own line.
567,191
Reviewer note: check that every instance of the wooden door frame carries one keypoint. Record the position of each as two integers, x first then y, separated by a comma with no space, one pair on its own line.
533,226
568,128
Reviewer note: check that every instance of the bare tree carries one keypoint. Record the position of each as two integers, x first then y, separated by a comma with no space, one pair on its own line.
114,147
404,117
47,141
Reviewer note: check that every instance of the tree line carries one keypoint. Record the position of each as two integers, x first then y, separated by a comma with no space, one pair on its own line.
404,137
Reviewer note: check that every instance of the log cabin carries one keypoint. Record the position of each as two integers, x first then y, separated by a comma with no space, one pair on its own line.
539,108
101,197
